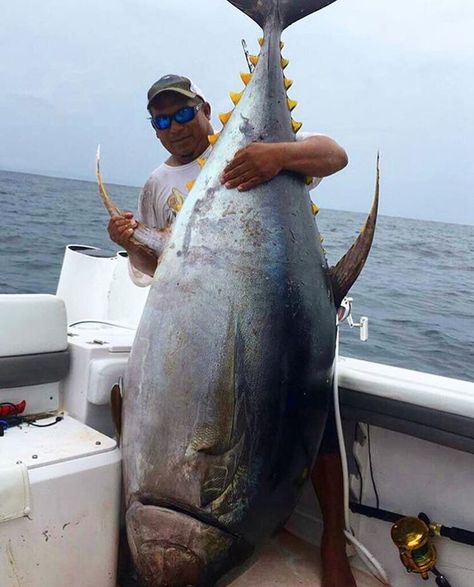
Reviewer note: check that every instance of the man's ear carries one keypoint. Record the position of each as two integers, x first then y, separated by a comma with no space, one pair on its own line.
207,110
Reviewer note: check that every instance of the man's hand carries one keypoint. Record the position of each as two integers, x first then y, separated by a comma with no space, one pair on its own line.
254,165
314,156
121,229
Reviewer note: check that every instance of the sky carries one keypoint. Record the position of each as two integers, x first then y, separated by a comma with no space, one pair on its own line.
395,77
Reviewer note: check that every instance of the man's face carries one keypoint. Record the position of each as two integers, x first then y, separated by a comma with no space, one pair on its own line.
184,141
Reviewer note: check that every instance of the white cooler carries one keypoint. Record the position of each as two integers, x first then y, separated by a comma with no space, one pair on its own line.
60,484
66,479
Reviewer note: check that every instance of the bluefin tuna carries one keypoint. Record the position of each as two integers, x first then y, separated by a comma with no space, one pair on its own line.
231,371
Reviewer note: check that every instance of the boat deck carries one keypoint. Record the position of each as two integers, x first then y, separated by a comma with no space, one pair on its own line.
287,561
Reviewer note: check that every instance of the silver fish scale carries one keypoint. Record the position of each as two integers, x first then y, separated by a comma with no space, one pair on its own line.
240,319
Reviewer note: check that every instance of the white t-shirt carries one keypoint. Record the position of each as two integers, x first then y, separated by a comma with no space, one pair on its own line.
153,208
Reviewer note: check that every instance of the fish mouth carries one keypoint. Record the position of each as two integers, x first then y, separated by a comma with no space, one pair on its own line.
174,548
184,509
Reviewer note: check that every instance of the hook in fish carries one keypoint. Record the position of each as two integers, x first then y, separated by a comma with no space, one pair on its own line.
247,56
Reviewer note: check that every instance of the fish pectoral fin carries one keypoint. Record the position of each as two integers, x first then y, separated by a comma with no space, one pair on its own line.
347,270
220,471
222,433
116,407
214,429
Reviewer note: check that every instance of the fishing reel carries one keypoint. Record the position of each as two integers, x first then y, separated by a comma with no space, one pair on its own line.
412,536
344,312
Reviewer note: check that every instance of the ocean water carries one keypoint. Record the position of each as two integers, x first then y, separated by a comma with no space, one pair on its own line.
417,287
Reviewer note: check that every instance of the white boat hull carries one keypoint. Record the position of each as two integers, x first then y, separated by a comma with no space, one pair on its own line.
421,430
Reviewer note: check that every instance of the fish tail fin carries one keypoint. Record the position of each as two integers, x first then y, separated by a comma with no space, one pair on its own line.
289,10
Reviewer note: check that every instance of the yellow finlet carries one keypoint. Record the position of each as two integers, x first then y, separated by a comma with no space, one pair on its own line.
253,60
224,117
235,97
291,104
308,180
282,44
261,40
314,209
288,83
284,62
189,184
245,76
213,138
201,162
296,125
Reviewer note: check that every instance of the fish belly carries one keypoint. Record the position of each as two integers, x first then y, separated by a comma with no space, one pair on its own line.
230,375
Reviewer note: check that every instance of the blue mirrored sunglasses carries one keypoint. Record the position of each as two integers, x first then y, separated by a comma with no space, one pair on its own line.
182,116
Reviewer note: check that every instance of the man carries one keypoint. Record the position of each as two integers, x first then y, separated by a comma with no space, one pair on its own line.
181,116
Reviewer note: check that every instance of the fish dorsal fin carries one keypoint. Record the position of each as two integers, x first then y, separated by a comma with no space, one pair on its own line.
347,270
289,10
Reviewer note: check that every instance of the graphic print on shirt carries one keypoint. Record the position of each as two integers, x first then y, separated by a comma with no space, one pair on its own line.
175,201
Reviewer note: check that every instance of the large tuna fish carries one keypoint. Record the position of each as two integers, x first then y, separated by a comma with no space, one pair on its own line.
227,387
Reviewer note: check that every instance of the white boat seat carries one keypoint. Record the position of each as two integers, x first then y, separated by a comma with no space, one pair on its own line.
33,369
33,340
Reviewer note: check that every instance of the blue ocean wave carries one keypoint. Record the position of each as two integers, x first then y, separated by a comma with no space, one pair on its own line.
417,287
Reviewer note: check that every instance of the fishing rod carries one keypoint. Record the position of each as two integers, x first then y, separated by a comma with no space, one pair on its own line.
377,570
412,536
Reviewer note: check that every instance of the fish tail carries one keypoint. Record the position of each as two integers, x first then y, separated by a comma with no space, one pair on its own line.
289,11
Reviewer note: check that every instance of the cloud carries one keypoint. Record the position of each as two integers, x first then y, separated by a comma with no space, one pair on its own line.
443,29
373,74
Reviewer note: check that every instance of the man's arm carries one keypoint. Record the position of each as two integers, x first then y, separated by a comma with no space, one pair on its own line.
316,156
120,231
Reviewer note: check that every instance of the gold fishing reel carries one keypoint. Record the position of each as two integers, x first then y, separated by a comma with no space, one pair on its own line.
412,538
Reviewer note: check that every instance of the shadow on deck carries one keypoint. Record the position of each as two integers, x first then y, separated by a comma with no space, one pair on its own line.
287,561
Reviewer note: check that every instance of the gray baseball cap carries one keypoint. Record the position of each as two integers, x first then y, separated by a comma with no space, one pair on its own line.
174,83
